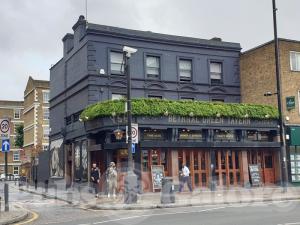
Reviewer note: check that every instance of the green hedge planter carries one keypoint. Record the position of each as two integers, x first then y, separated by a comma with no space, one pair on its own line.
160,107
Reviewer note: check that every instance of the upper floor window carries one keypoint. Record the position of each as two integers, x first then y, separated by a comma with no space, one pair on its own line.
45,96
46,132
295,61
185,70
116,63
17,113
155,96
46,113
153,66
117,96
216,73
219,100
16,156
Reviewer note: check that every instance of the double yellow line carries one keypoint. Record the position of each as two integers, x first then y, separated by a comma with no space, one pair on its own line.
34,216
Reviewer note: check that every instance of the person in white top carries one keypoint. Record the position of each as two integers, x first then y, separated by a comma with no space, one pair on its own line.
185,178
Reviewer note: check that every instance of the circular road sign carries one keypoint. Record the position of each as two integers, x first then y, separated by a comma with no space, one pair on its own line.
4,126
134,132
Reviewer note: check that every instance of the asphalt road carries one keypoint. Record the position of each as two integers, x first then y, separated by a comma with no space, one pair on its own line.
49,211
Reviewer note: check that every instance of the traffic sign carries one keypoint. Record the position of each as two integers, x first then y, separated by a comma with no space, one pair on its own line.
134,133
4,129
133,148
5,145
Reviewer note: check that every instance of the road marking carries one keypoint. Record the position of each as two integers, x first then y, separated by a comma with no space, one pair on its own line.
296,223
34,217
157,214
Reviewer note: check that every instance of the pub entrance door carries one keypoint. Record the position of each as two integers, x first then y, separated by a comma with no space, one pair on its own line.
266,161
228,169
197,162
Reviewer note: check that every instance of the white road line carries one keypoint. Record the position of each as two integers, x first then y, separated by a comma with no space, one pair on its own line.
158,214
296,223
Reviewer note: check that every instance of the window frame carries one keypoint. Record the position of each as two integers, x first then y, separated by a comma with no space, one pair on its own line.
291,65
222,72
19,114
48,93
18,158
120,94
15,170
180,58
113,72
44,110
46,137
146,55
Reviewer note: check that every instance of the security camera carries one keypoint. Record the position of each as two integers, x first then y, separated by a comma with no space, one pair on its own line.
129,50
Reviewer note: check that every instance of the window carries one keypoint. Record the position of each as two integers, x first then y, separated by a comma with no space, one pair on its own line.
46,113
216,73
16,170
217,100
295,61
185,70
116,63
17,113
155,96
46,132
45,147
187,98
16,156
295,163
68,120
117,96
153,67
45,96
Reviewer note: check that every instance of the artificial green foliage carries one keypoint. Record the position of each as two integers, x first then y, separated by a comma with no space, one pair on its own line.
19,141
159,107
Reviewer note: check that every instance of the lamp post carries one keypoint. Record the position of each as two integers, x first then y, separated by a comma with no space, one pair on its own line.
284,173
130,193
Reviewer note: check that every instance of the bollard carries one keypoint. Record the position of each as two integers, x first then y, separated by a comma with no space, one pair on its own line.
6,209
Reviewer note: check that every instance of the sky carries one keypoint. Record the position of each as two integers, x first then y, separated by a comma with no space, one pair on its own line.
31,30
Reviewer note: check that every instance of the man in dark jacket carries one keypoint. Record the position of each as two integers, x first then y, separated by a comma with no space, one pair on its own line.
95,178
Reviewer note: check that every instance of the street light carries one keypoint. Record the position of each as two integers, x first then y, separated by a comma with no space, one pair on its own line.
130,192
284,173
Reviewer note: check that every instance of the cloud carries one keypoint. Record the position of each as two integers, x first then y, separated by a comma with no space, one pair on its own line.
31,30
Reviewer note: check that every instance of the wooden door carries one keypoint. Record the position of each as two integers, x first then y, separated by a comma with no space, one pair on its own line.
268,168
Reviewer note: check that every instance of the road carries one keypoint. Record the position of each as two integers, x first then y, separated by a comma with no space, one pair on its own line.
49,211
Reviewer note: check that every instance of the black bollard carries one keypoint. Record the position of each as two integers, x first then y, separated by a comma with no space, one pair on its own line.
6,197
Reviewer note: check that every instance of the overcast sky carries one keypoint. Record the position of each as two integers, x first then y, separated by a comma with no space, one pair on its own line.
31,30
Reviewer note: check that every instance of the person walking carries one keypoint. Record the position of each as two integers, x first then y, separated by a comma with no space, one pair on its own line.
95,178
112,179
185,178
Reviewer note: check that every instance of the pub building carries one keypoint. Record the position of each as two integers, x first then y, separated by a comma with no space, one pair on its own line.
216,149
217,146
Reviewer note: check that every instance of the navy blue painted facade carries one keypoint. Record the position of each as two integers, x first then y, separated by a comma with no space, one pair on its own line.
76,82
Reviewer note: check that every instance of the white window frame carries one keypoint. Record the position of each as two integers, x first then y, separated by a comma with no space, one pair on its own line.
122,64
18,170
215,73
46,136
116,96
151,68
184,77
48,93
19,112
44,109
14,154
297,67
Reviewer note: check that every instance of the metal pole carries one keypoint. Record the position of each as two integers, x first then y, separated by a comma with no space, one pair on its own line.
6,205
284,173
5,166
129,116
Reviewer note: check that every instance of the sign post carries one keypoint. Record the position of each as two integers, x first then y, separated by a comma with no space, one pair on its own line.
5,135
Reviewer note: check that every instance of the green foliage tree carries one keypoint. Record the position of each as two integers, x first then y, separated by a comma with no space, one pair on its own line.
19,136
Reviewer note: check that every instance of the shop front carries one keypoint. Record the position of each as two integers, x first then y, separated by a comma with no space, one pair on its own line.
218,149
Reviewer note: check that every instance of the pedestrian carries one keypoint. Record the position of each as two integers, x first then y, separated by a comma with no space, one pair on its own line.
185,178
95,178
112,179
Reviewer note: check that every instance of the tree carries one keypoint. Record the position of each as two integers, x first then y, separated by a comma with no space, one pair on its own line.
19,136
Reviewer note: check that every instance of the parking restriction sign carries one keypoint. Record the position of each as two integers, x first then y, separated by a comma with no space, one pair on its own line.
4,129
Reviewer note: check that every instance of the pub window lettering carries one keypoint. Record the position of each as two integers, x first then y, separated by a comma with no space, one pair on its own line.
295,61
216,72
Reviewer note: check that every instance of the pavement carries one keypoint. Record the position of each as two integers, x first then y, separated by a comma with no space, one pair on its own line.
15,215
83,198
